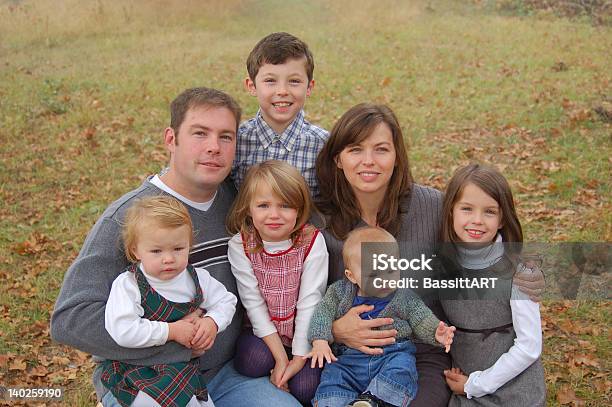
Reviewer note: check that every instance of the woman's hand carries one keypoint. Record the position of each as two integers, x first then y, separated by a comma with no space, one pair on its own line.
320,352
456,380
360,334
531,283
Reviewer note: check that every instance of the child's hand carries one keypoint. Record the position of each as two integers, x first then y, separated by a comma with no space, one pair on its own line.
456,380
295,365
205,333
181,332
320,350
444,335
277,373
193,316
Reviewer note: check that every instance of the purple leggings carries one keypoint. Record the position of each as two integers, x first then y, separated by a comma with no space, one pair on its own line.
254,359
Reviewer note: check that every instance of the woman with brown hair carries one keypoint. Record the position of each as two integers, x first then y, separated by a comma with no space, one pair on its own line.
365,179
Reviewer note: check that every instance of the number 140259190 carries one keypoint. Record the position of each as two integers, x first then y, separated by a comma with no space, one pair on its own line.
31,393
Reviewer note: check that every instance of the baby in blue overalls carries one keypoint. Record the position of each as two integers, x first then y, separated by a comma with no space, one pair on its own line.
356,378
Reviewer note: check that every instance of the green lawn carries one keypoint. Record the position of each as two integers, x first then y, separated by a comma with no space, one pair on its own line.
84,95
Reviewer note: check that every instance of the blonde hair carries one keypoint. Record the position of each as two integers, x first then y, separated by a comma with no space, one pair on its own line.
163,211
365,234
286,183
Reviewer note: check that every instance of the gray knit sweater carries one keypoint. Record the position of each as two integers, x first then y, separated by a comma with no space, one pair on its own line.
411,316
418,234
78,317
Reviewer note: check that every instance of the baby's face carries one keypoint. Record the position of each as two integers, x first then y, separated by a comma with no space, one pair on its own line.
372,283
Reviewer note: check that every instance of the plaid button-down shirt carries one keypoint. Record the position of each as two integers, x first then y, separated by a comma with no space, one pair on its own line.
298,145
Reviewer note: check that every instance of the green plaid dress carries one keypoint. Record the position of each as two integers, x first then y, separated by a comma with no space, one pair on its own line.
171,385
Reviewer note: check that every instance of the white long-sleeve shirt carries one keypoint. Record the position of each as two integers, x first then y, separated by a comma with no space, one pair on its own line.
312,287
527,325
124,315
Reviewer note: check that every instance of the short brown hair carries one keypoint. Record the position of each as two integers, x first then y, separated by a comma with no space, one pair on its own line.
285,181
196,97
493,183
277,48
337,200
162,210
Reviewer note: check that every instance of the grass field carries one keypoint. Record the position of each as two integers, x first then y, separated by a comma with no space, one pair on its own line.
84,94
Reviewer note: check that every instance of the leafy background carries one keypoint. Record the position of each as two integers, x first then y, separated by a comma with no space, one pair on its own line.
84,94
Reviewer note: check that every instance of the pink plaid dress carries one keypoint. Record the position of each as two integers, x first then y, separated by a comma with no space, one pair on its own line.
278,276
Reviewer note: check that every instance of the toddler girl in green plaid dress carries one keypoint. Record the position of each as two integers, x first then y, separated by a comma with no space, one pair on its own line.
161,298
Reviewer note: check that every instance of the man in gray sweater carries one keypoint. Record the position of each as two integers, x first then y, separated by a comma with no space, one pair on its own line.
201,140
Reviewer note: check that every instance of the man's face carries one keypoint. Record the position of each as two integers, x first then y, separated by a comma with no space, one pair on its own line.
281,91
202,153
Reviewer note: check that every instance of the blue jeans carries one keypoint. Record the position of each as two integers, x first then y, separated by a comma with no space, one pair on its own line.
230,389
391,377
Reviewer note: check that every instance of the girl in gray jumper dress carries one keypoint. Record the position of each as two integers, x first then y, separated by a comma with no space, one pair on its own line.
497,345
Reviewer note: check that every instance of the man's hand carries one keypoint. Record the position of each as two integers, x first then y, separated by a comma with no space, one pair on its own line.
360,334
531,283
181,332
444,335
205,333
320,351
456,380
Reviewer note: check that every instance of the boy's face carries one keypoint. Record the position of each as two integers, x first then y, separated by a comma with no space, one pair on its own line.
281,91
364,277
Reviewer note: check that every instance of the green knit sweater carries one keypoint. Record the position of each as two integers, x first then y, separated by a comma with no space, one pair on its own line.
411,317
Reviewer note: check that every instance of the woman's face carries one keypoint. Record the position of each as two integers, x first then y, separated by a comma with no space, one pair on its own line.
368,166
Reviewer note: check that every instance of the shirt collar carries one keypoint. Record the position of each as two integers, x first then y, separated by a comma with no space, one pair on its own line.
481,258
287,138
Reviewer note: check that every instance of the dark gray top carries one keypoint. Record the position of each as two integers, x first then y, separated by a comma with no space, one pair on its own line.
418,234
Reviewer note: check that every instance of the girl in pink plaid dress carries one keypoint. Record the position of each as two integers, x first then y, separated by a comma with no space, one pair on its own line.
280,263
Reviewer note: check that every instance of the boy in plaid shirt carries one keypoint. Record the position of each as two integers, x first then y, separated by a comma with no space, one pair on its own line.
281,77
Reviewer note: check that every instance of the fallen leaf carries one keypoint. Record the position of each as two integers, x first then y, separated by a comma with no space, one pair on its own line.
60,360
603,386
39,371
588,360
586,345
18,364
553,377
565,395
